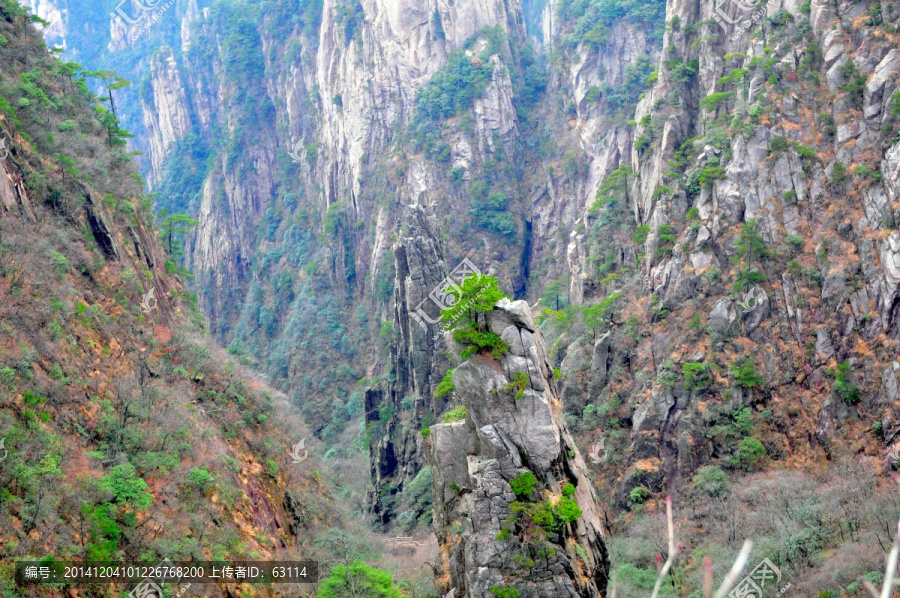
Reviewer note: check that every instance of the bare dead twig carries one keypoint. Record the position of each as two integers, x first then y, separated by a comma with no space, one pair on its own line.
889,572
739,563
673,550
730,579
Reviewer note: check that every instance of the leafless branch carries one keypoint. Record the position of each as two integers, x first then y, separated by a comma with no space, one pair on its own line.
674,548
738,566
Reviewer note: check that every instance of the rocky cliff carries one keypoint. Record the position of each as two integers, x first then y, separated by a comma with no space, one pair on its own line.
514,505
703,199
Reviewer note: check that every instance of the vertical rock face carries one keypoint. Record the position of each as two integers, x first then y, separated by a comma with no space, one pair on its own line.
491,537
166,114
417,360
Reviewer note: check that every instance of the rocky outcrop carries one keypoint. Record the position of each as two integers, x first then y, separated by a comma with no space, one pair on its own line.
497,535
418,361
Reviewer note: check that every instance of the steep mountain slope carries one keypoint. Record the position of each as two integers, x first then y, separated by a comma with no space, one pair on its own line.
702,197
126,433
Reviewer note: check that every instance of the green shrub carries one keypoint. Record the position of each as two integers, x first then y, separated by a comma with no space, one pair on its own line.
7,377
795,241
839,174
696,375
744,372
523,484
446,385
714,100
567,510
640,234
712,481
127,488
519,383
200,478
503,592
456,414
750,452
864,170
779,144
478,295
668,375
568,490
359,580
60,263
844,385
751,246
638,496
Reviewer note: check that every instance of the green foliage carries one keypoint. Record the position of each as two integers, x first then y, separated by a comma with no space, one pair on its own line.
750,452
839,174
446,385
779,144
613,188
504,592
640,234
478,295
710,173
518,384
667,375
592,20
523,484
566,510
456,414
60,263
865,171
568,490
200,478
855,83
334,216
751,246
454,87
624,97
127,488
599,315
743,420
744,372
637,581
489,209
696,376
665,241
712,481
359,580
681,72
714,100
795,241
184,171
844,385
174,229
638,496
